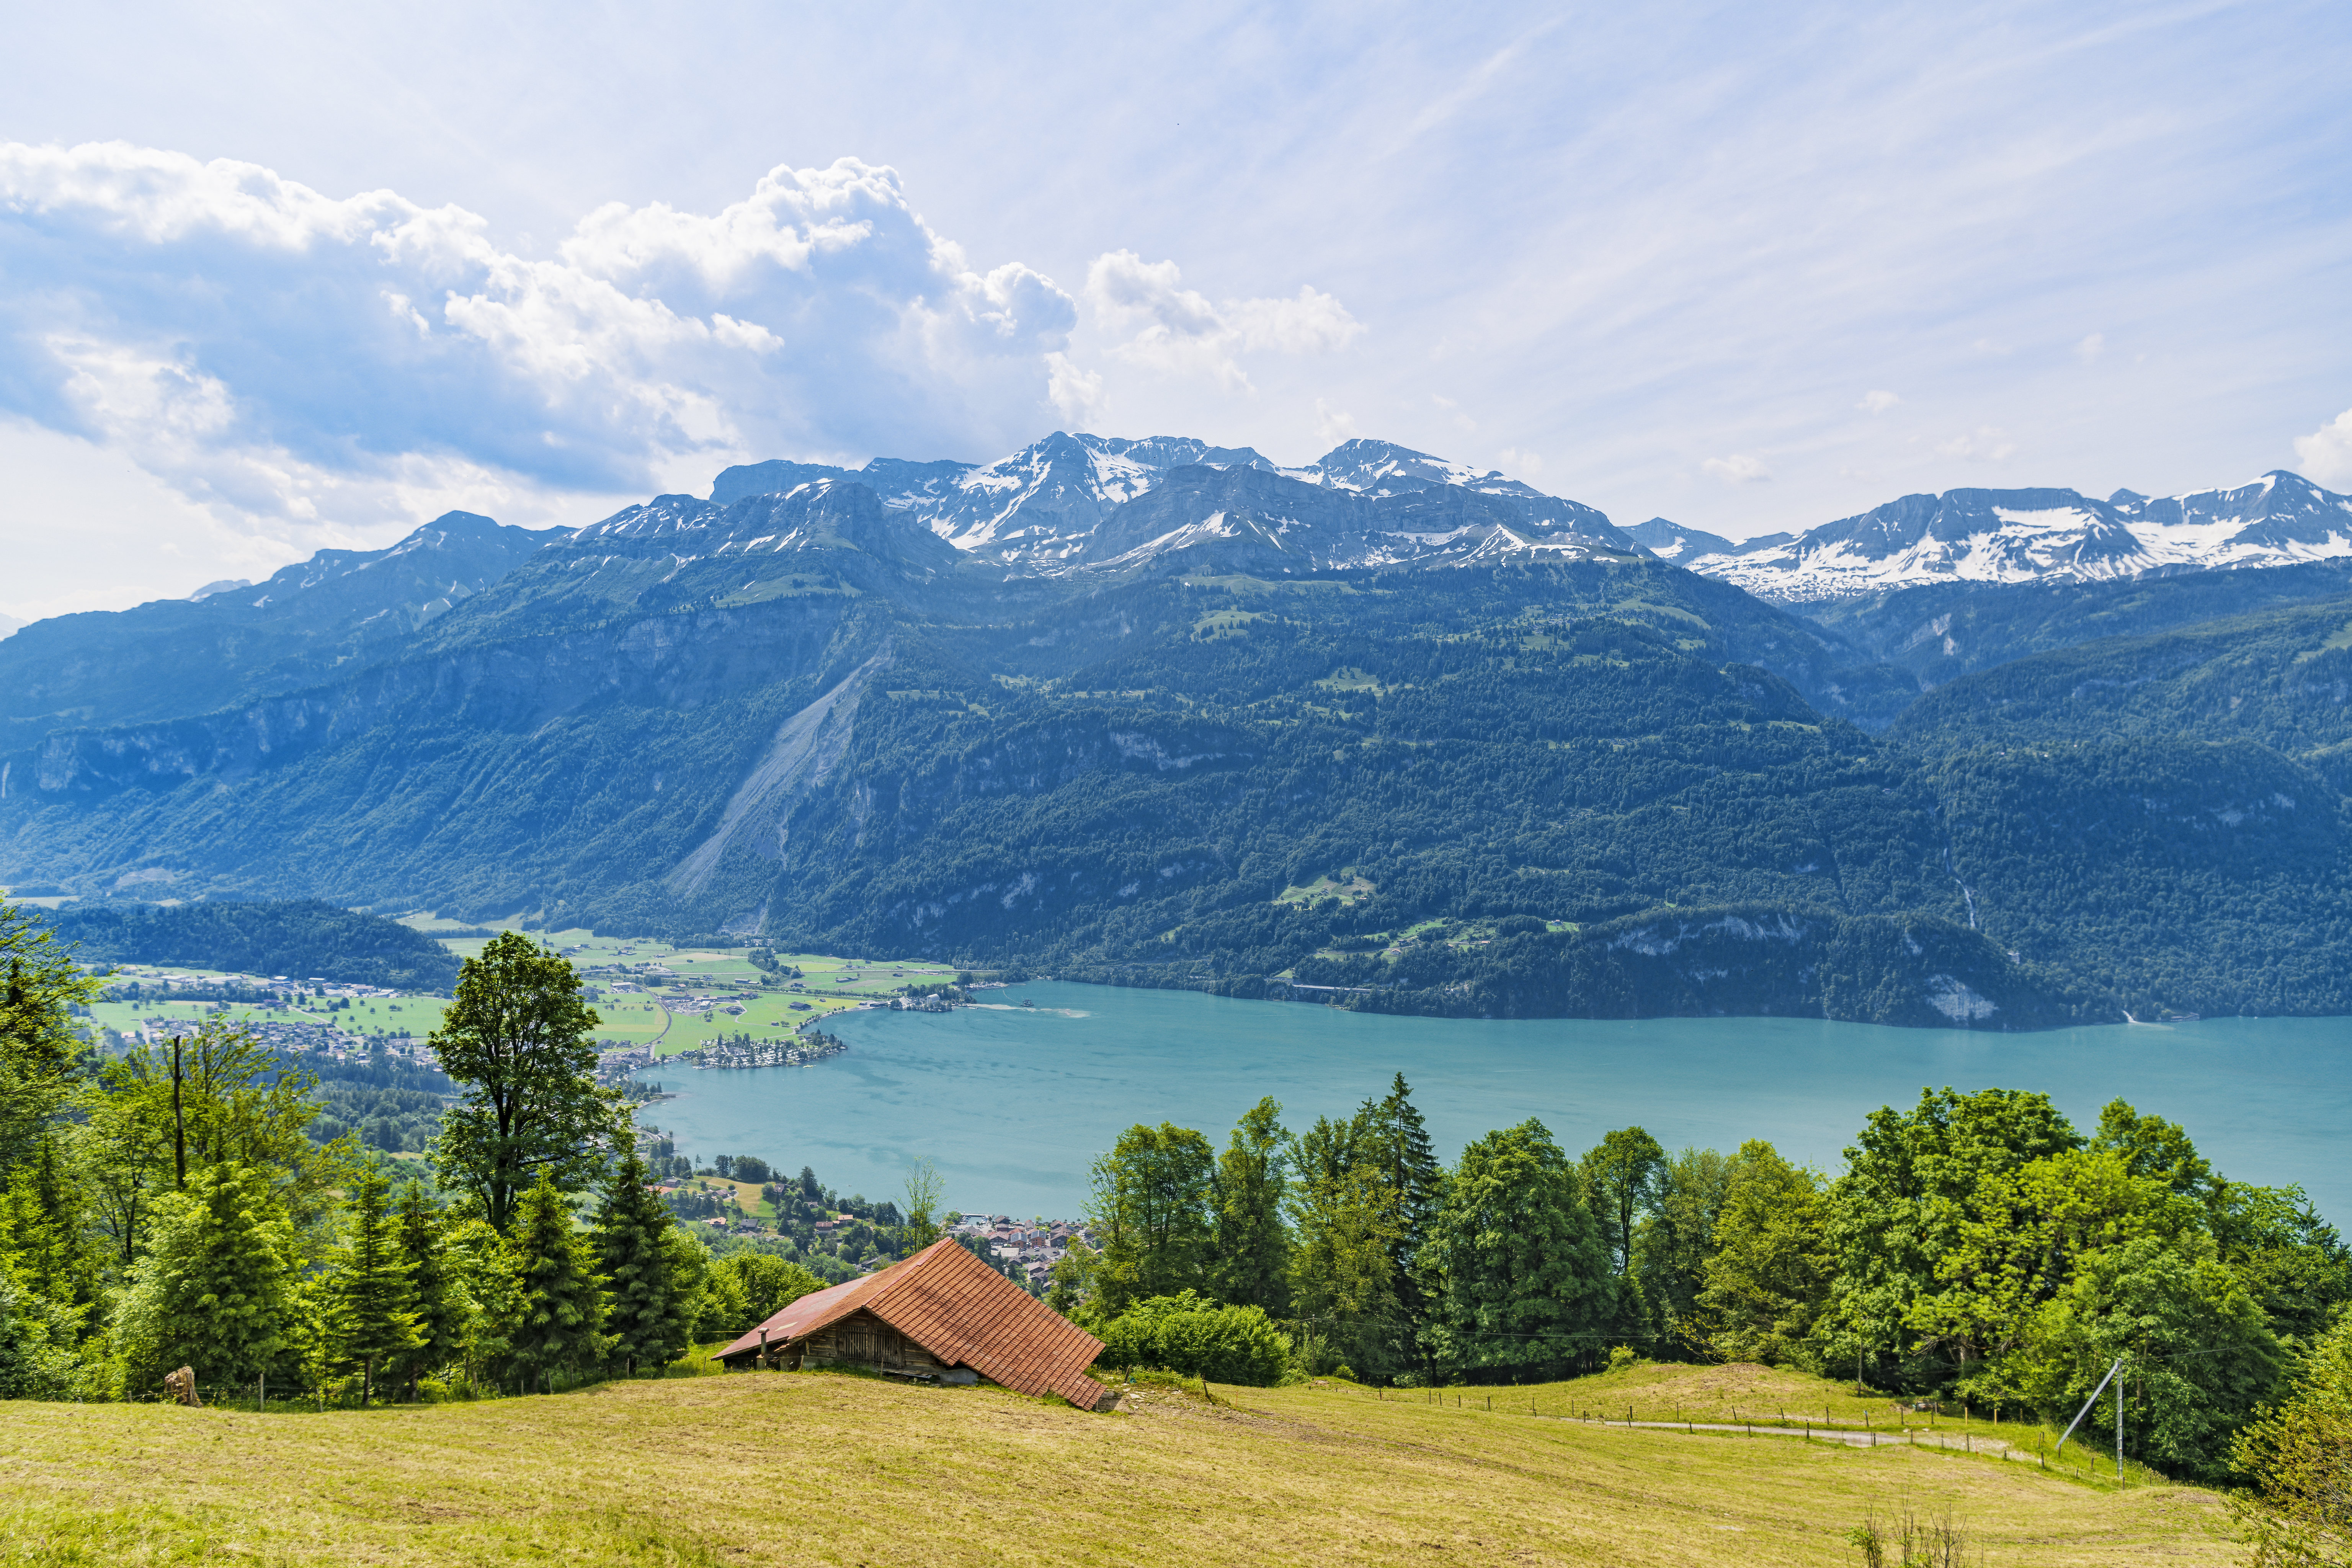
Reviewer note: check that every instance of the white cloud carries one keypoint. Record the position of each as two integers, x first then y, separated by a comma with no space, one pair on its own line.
1529,464
1984,444
1172,328
2324,456
282,356
1736,469
1877,401
2091,347
1078,394
1332,426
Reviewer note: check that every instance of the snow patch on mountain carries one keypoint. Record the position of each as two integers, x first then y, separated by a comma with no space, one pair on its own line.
2023,536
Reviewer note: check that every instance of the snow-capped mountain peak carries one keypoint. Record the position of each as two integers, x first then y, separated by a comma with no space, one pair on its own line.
2028,535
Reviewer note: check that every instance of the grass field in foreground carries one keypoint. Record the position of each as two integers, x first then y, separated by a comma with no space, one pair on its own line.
776,1467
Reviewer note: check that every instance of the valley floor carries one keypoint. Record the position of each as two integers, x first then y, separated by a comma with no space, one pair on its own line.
829,1468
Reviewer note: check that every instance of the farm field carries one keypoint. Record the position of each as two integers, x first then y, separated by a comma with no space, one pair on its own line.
879,1472
628,1018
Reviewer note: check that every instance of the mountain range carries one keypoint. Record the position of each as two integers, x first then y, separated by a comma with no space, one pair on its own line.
2022,536
1157,712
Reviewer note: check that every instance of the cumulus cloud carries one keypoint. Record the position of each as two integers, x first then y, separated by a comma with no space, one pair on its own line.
1334,425
1169,327
2324,456
1983,445
1736,469
282,354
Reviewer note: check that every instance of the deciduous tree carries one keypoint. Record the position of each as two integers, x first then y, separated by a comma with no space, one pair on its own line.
1252,1245
1150,1207
1523,1275
518,1039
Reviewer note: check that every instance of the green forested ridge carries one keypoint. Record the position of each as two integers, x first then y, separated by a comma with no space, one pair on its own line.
300,937
2281,677
341,609
847,740
1940,631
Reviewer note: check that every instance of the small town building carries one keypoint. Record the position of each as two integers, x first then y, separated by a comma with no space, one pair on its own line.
940,1314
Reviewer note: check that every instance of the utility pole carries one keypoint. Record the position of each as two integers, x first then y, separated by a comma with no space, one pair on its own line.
179,1122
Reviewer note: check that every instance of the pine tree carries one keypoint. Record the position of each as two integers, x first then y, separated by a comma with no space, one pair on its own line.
630,1249
440,1306
374,1289
559,1309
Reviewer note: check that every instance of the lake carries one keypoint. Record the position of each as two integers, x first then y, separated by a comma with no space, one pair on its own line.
1012,1104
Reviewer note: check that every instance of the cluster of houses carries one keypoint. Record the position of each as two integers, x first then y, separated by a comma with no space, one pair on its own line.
1032,1245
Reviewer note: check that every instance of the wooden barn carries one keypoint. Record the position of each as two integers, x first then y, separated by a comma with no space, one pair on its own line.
941,1313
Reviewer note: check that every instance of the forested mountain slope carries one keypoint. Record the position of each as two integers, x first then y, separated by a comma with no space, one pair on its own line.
1580,780
300,937
174,656
1941,631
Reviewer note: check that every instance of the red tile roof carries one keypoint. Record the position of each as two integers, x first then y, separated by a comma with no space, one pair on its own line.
963,1313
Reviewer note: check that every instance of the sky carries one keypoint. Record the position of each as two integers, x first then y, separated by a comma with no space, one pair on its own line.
275,279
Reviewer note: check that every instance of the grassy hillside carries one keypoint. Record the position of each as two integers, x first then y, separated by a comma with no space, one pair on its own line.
827,1469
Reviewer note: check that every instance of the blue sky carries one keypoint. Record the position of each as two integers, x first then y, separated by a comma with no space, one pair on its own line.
280,277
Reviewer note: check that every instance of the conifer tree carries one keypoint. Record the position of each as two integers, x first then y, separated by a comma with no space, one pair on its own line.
374,1290
1396,1141
630,1231
559,1308
437,1298
213,1290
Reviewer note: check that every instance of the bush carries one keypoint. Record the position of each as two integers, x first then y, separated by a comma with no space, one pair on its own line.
1185,1333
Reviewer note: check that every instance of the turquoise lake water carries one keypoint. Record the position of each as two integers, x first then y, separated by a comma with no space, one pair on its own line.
1013,1103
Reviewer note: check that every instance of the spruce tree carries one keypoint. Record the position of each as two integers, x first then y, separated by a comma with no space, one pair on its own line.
213,1290
439,1304
630,1232
559,1308
373,1288
1398,1142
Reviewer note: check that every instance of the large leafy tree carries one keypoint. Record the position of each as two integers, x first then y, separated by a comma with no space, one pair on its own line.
376,1317
1253,1245
39,1052
229,1097
557,1323
1673,1245
1768,1273
1909,1192
1523,1274
1620,1176
1343,1272
518,1039
214,1290
1152,1207
2298,1457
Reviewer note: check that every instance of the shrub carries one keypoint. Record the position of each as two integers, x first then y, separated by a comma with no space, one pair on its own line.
1185,1333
